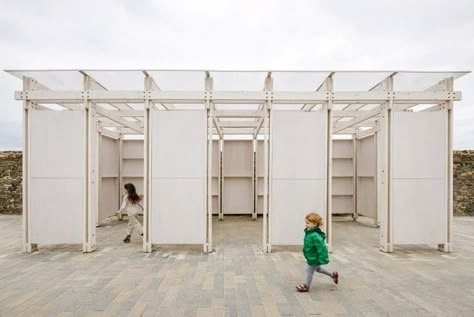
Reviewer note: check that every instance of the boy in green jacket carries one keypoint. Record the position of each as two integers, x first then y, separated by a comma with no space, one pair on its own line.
315,251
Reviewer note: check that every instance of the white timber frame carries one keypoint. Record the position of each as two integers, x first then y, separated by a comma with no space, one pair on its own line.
363,113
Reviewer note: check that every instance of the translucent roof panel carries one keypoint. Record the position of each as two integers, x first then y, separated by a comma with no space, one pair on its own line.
55,80
179,80
298,81
417,81
119,80
238,81
357,81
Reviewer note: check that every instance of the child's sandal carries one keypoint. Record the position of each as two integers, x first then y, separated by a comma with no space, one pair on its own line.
127,239
302,288
335,277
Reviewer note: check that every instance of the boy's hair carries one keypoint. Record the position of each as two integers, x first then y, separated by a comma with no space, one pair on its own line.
314,218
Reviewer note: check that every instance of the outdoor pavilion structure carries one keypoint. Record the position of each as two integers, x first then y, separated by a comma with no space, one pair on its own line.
183,114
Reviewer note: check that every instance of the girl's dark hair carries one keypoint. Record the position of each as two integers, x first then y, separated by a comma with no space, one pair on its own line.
132,193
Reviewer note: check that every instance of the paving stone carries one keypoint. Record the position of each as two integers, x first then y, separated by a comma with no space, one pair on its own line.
238,279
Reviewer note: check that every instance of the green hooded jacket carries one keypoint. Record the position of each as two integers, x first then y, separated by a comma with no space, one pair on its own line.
314,248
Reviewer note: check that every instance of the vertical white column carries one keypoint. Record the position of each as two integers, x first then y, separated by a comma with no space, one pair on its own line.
27,245
210,115
267,218
120,178
386,228
99,173
147,190
354,176
265,245
448,108
254,177
328,163
90,179
221,178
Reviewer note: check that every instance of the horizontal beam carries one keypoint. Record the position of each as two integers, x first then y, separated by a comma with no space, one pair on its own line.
364,133
126,113
109,133
118,119
346,124
237,97
237,114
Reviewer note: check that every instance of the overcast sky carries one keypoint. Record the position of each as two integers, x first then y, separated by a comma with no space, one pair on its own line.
236,35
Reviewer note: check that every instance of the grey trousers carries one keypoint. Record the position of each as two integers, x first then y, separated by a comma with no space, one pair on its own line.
133,223
310,271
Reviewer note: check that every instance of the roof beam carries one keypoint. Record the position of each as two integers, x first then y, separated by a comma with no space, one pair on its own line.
339,126
326,85
154,86
238,97
95,85
116,118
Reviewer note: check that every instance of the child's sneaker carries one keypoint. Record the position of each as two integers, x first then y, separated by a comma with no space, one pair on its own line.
302,288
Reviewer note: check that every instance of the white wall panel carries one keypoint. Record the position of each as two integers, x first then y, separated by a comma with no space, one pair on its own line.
238,195
179,144
178,177
57,172
299,143
57,141
366,177
366,156
133,168
419,207
178,215
367,197
298,173
133,149
57,210
292,200
419,190
109,157
109,197
419,144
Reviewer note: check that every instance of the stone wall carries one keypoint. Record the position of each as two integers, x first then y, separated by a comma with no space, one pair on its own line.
11,190
464,182
10,182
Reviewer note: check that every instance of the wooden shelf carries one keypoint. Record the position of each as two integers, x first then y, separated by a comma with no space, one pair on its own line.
342,158
108,176
342,176
342,194
132,158
132,176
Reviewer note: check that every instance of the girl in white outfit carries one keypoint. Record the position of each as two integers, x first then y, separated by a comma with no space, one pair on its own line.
131,203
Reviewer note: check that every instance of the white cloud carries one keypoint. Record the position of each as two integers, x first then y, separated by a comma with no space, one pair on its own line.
376,35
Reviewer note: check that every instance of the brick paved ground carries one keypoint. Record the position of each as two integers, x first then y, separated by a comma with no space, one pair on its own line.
237,279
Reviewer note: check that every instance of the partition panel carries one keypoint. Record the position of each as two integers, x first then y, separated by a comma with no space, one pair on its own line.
109,173
298,173
366,177
57,176
178,186
419,184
